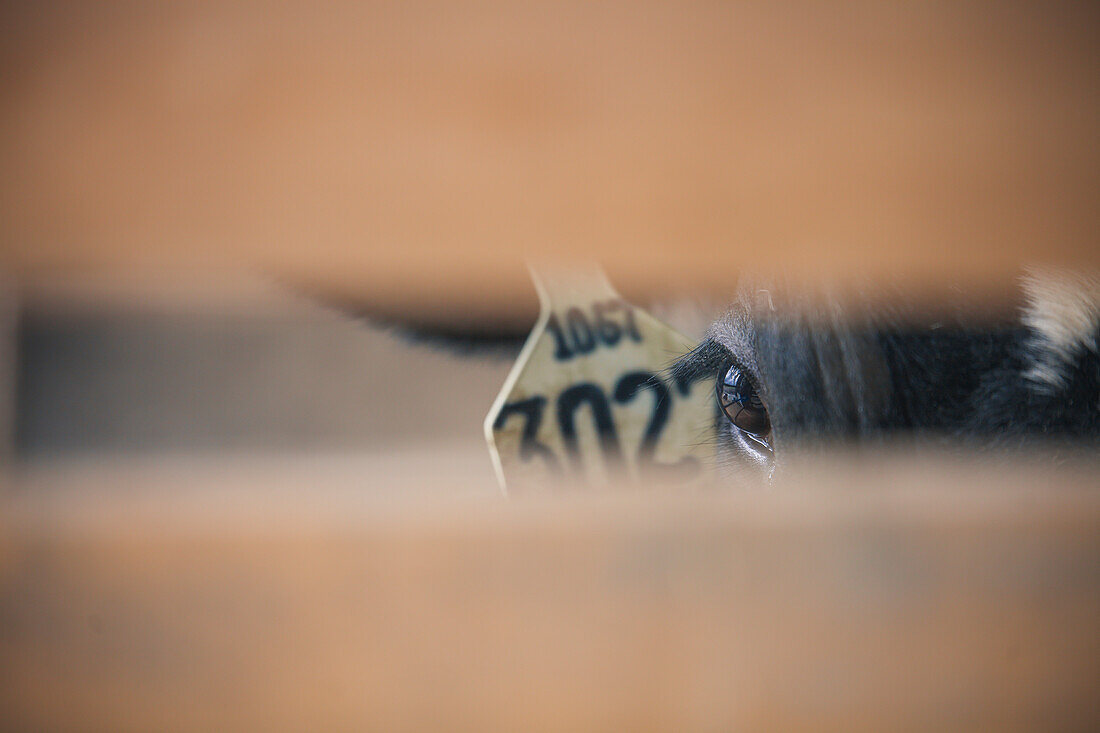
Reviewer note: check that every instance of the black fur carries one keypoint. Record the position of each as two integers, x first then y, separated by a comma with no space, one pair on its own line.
864,379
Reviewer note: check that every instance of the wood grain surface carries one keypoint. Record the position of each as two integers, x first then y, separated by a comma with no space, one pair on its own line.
886,595
413,154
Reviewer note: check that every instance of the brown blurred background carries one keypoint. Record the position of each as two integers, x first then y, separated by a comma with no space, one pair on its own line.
412,154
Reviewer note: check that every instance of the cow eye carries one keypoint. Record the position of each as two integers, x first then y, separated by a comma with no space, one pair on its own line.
738,398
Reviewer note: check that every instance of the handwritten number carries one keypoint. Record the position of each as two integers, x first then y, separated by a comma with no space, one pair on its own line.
562,351
529,445
581,332
631,326
578,336
609,331
626,390
581,336
568,402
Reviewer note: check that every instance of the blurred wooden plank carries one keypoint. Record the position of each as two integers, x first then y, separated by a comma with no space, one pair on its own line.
848,607
413,153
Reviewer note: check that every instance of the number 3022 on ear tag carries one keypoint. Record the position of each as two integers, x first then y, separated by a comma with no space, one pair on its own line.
589,402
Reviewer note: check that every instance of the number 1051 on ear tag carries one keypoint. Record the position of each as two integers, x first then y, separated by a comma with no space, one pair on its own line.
589,401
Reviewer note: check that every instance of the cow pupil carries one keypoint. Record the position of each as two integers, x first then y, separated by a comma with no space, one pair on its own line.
739,401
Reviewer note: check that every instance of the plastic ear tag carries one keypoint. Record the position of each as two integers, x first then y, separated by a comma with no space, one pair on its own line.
589,401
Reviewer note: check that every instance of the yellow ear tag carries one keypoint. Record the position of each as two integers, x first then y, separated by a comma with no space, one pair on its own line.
590,401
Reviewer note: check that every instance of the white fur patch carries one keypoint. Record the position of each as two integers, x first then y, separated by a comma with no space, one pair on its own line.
1063,312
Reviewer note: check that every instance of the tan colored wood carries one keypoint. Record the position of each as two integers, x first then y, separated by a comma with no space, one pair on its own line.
411,154
897,595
